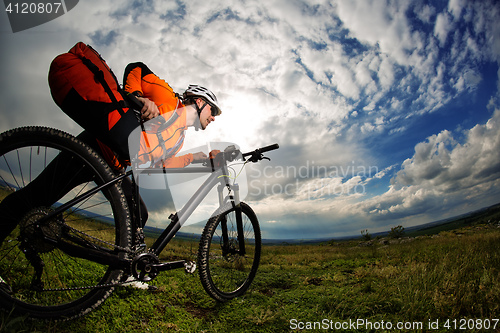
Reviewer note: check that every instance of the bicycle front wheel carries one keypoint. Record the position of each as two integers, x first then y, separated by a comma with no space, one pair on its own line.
229,252
41,169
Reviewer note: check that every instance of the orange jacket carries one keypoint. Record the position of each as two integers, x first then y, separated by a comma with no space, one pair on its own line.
140,80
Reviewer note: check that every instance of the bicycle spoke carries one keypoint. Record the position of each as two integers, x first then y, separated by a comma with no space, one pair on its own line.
31,153
20,168
12,174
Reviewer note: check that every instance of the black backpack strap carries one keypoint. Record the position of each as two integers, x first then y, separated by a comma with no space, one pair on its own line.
99,76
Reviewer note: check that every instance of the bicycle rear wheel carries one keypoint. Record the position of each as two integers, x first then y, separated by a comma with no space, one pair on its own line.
41,169
227,258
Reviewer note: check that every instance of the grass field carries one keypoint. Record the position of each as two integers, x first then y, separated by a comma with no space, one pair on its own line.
442,281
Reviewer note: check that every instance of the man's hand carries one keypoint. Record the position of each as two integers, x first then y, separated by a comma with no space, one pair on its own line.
202,157
149,109
199,157
214,153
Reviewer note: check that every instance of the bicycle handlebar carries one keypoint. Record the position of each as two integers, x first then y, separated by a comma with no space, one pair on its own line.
231,153
262,150
256,155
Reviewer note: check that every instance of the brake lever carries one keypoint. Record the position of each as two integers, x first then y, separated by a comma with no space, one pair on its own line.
258,157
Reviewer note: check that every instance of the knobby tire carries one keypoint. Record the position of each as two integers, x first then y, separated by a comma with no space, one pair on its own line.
224,272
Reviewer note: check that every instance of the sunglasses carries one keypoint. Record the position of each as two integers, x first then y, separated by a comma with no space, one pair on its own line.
214,110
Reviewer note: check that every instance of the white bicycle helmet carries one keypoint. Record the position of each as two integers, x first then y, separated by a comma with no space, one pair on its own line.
195,90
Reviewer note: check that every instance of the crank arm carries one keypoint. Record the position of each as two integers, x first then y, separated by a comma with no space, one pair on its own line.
166,266
188,266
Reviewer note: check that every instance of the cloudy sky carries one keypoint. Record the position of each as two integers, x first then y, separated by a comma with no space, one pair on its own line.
387,113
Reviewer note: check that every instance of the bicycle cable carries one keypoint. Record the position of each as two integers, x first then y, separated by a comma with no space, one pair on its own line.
236,175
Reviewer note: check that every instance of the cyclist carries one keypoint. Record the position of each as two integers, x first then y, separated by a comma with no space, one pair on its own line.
198,107
201,108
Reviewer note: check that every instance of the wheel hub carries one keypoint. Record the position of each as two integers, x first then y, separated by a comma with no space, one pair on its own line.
33,233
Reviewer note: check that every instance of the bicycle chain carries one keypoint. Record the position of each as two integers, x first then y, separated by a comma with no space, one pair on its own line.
103,242
97,239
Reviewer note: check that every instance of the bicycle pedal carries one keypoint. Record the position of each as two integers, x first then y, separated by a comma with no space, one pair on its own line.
190,267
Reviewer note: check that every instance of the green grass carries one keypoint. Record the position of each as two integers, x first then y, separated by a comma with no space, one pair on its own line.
453,276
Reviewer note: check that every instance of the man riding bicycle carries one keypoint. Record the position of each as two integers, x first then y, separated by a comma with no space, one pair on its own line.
198,107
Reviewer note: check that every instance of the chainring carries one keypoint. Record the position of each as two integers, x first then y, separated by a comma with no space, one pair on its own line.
143,267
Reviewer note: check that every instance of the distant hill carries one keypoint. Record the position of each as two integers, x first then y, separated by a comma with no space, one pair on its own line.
484,215
154,232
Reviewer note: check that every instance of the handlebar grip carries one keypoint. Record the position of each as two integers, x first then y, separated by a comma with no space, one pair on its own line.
135,102
269,148
259,151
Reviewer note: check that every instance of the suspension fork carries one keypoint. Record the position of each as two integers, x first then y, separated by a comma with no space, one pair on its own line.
235,202
239,225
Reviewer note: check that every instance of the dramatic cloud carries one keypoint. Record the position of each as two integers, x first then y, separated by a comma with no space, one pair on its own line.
443,174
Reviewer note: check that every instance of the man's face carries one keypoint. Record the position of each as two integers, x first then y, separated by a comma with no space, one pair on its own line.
206,116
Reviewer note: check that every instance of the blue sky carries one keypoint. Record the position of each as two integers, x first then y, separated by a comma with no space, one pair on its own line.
387,113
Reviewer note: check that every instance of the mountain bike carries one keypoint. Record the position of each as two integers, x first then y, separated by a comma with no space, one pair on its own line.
61,259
